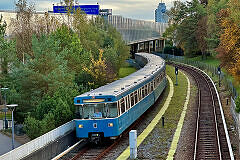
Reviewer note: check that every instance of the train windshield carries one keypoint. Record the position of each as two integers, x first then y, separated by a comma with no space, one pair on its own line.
97,111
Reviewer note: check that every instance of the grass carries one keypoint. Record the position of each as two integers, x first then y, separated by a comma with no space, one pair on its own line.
210,60
2,115
161,145
215,62
126,70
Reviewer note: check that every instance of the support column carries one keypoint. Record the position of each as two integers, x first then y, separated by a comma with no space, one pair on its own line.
154,45
149,49
135,48
163,43
132,51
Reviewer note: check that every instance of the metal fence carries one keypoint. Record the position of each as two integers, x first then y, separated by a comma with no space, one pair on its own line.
236,118
135,30
36,144
203,66
235,115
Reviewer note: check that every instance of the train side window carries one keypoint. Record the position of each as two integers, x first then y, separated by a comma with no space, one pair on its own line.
119,108
126,102
139,94
122,105
132,99
79,112
146,90
136,97
143,94
129,101
151,86
154,83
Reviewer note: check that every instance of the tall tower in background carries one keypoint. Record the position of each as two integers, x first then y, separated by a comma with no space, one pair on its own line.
160,13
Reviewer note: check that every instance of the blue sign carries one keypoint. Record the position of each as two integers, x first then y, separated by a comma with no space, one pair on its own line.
88,9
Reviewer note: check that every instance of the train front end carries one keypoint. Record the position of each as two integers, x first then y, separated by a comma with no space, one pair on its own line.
96,117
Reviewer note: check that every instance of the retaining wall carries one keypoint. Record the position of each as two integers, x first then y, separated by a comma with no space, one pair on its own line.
39,143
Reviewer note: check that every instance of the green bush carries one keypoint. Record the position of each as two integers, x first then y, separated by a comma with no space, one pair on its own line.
173,50
237,102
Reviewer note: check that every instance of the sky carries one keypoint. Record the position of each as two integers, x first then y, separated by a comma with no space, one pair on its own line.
136,9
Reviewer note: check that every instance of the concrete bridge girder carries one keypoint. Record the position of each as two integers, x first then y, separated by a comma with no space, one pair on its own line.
147,46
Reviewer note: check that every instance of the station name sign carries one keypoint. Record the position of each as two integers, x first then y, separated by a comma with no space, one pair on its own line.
88,9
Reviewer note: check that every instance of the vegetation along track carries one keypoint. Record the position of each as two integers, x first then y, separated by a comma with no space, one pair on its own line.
210,138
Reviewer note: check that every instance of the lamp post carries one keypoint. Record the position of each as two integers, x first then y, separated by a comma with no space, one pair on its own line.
5,110
12,107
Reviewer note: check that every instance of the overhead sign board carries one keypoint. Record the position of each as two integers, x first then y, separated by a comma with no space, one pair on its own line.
88,9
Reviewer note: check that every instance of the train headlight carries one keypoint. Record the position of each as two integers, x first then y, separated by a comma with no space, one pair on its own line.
110,124
80,126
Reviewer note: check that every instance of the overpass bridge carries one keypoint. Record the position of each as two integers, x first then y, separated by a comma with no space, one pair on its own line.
139,34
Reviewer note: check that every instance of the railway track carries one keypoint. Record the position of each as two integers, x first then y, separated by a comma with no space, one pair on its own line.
210,137
86,151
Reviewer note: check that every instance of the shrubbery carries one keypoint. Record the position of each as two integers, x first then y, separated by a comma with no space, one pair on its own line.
237,102
44,65
173,50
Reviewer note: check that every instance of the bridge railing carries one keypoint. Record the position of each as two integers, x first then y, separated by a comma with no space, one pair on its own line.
34,145
211,70
133,30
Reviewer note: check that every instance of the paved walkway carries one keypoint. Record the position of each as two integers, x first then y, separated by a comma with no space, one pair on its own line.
6,142
153,123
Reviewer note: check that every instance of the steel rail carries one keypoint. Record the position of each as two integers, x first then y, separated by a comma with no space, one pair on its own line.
206,79
198,115
215,117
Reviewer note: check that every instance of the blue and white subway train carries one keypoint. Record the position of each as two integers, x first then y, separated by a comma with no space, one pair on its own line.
109,110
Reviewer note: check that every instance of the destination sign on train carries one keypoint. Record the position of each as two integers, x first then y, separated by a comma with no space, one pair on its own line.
93,100
88,9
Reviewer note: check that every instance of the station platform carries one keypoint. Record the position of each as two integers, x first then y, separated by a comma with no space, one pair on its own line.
6,142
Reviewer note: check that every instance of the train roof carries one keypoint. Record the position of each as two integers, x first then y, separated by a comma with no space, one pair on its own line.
119,86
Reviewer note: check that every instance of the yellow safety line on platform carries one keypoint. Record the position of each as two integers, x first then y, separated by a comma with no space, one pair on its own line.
153,123
179,126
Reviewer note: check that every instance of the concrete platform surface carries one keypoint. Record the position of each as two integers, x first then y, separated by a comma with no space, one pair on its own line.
6,142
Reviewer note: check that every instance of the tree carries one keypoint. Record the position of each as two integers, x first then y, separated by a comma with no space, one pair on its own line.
98,70
229,47
213,27
201,35
185,28
74,54
28,24
23,29
3,26
32,127
237,104
48,123
7,51
42,75
234,6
